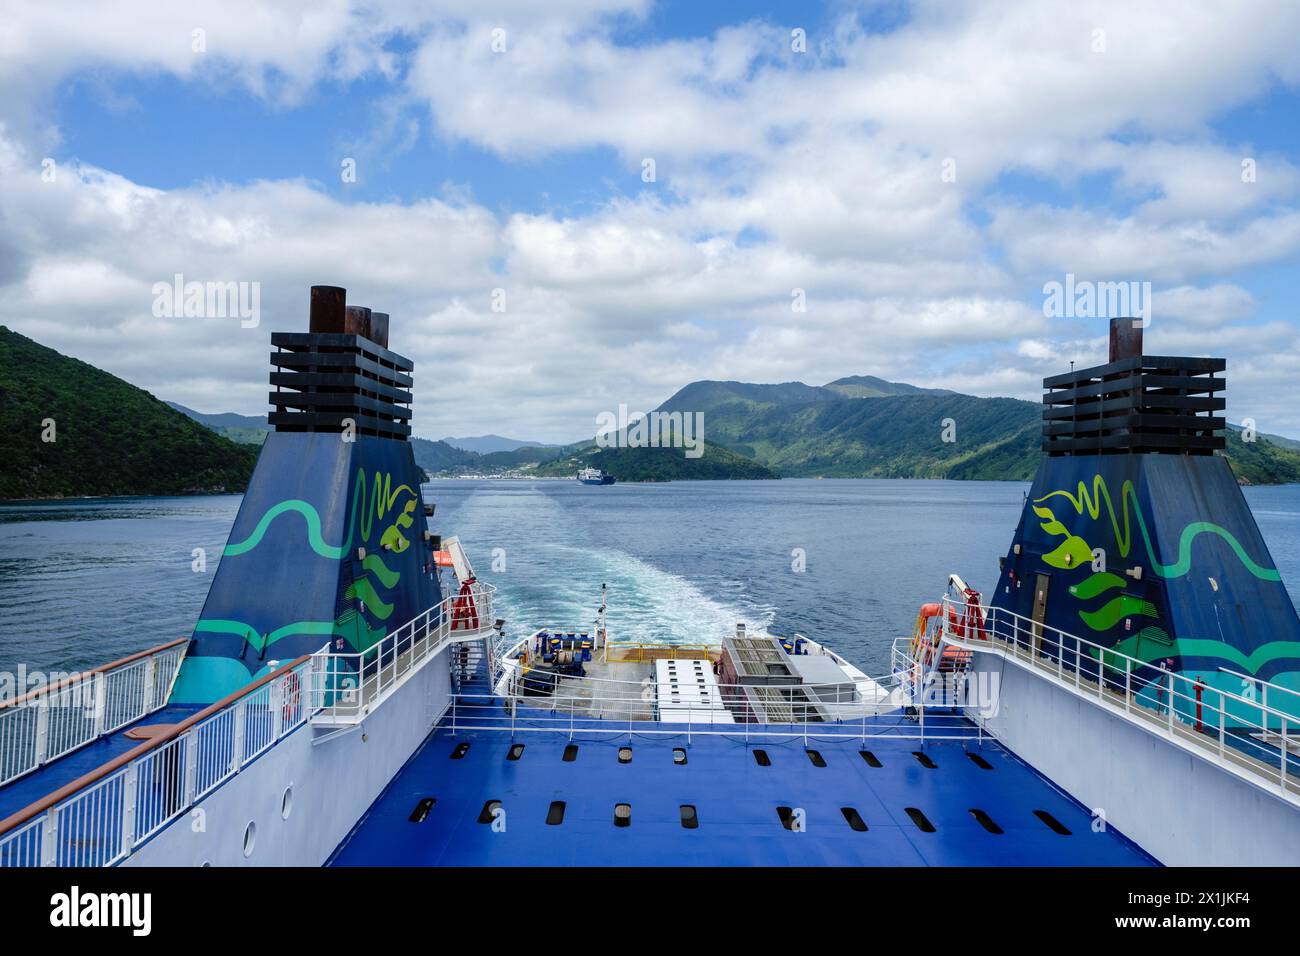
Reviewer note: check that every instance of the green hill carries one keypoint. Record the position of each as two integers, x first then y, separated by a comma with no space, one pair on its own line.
866,427
111,438
244,429
897,437
438,456
657,464
868,386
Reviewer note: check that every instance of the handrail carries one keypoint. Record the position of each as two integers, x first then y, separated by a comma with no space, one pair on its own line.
173,731
526,714
80,676
57,719
1199,713
382,667
992,611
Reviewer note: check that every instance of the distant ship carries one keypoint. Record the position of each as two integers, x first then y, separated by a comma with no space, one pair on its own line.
1127,695
594,476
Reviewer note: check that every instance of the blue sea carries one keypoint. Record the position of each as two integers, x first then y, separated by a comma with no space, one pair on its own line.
846,562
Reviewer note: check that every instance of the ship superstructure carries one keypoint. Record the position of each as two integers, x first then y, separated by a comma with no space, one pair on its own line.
348,695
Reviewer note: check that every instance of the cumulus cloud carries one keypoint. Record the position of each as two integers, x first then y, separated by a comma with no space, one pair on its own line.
868,178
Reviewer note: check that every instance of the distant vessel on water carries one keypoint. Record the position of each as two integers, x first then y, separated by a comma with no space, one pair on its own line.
594,476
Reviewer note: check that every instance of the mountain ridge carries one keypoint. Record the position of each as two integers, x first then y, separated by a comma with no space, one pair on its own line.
109,437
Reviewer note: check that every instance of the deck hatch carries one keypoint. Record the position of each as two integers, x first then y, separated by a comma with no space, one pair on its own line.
422,810
921,820
854,819
1055,825
985,820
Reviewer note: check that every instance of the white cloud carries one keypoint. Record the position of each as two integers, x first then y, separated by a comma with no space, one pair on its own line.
775,172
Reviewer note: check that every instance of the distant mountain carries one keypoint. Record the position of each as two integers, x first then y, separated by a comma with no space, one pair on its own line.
1279,440
245,429
110,438
868,386
901,436
657,464
438,456
865,427
1268,460
486,444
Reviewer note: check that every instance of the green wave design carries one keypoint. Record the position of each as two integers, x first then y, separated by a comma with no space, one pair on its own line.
375,605
1110,613
1095,584
386,575
314,537
381,502
1148,651
260,642
1091,502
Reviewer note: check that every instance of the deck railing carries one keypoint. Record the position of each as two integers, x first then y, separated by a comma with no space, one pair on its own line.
617,716
344,687
1250,732
857,707
99,819
61,717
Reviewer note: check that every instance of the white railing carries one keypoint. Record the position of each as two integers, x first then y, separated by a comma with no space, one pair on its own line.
55,720
345,687
1247,732
112,811
633,716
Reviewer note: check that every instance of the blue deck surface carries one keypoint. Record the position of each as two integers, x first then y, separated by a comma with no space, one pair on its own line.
735,798
45,780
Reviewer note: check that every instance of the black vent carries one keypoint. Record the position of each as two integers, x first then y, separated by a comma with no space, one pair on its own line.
1147,404
341,369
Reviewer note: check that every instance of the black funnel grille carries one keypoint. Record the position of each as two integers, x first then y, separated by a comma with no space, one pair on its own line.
337,373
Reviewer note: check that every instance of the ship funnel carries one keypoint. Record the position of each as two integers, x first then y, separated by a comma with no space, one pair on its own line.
1125,338
357,321
331,545
1136,536
328,306
340,375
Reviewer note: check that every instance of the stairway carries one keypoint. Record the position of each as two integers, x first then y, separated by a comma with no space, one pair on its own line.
471,672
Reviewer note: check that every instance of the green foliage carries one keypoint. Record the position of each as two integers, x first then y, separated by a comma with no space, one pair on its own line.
800,431
242,436
111,437
244,429
657,464
438,456
1263,461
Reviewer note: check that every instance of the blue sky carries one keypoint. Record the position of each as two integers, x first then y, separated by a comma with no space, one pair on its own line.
1093,139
